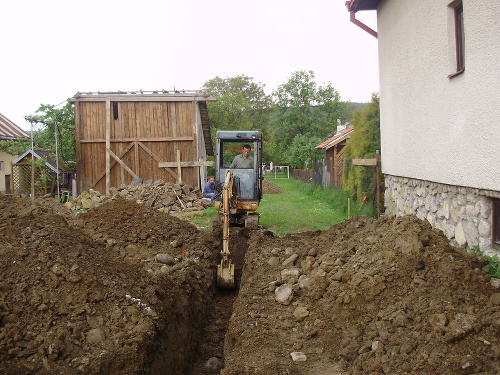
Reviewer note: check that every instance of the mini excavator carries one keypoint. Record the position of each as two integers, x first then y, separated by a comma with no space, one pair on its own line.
238,191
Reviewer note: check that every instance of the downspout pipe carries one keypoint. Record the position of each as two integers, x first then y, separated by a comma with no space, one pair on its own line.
360,24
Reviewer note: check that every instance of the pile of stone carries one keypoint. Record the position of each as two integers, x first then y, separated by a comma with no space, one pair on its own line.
164,196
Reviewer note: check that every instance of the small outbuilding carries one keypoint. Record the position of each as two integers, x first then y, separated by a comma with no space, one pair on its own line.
334,153
155,135
47,167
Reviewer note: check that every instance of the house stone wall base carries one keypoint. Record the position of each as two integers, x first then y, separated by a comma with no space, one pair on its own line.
464,214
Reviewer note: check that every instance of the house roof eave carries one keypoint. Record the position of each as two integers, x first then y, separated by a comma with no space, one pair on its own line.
356,5
9,130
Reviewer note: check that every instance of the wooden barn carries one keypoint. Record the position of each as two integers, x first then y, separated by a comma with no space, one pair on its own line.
157,135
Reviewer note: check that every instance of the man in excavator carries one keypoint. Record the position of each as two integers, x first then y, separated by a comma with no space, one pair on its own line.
243,160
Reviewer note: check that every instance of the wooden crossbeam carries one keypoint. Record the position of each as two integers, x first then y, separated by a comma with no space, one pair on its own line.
127,168
148,150
112,165
365,162
174,164
123,140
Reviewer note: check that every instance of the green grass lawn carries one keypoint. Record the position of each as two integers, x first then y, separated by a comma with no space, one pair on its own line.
297,210
301,207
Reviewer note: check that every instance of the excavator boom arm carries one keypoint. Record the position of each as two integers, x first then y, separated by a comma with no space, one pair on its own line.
225,270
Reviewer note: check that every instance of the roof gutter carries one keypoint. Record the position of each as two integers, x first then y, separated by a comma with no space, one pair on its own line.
352,7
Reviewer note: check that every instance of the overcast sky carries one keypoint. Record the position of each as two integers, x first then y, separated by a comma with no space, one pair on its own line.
52,49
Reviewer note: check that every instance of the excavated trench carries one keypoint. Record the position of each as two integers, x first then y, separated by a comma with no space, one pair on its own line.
124,289
208,357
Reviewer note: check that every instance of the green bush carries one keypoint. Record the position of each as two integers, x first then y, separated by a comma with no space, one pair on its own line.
360,181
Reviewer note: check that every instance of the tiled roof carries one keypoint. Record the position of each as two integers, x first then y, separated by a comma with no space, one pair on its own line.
9,130
330,142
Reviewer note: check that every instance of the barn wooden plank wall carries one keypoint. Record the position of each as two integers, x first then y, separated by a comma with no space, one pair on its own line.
151,136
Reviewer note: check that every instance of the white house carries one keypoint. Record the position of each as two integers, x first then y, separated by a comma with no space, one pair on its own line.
8,131
440,113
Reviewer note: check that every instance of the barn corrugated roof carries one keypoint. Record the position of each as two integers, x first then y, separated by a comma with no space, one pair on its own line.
9,130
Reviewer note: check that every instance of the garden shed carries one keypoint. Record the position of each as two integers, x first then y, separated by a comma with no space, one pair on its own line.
155,135
47,168
334,154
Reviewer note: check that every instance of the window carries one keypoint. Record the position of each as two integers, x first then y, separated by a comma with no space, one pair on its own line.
459,37
496,223
230,150
1,166
115,110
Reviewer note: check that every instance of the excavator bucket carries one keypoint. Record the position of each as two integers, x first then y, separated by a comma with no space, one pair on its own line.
225,275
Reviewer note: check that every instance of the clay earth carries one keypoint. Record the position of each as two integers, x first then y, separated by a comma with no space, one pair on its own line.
126,289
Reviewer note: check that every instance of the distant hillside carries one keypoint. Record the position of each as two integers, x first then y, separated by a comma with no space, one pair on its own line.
355,105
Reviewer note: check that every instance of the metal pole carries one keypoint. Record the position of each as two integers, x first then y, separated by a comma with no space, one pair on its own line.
57,161
32,164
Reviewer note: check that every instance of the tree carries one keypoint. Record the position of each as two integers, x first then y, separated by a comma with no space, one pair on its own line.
15,147
305,108
301,153
241,104
360,181
49,121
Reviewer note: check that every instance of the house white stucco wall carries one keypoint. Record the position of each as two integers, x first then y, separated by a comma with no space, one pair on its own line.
433,127
440,135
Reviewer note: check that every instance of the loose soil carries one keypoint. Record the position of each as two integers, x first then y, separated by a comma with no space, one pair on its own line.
125,289
269,187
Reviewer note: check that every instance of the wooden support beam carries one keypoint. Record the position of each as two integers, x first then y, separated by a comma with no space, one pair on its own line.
125,166
174,164
122,140
136,158
148,150
365,162
108,145
145,98
179,168
111,166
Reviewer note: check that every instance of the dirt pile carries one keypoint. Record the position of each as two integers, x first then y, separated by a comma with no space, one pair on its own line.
365,297
126,289
269,187
102,292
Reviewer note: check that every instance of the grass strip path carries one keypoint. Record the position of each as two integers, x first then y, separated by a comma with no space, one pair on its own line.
296,210
300,207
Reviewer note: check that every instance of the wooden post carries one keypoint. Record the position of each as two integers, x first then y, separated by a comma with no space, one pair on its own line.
179,168
378,183
108,145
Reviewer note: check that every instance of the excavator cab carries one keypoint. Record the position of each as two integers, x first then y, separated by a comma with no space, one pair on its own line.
238,177
247,179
